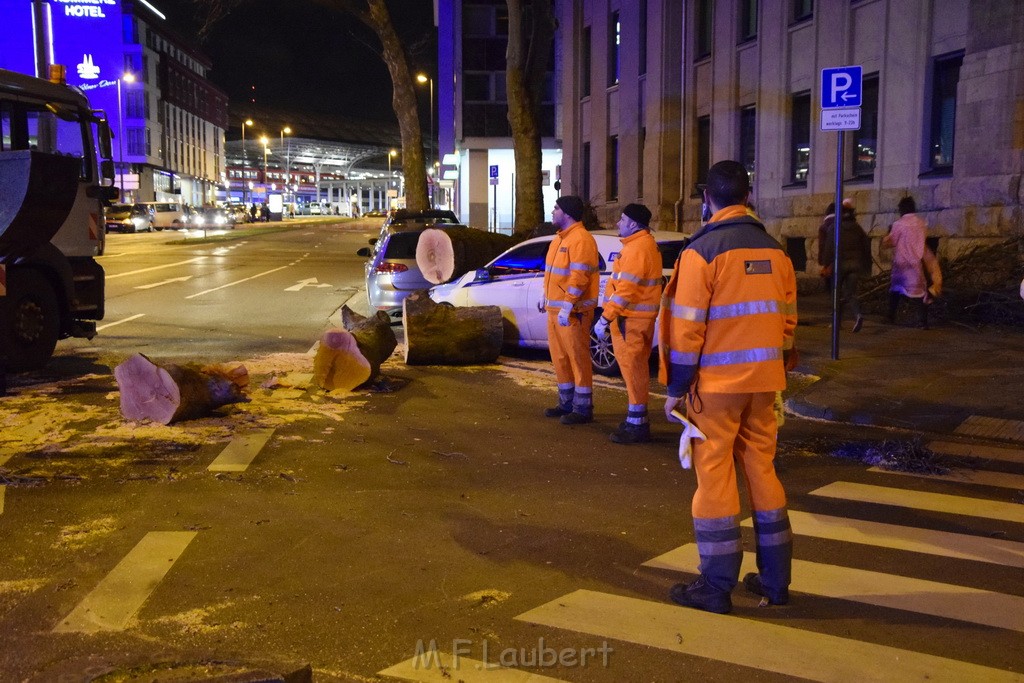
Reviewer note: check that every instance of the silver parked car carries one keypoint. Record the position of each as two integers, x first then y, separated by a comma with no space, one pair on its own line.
392,273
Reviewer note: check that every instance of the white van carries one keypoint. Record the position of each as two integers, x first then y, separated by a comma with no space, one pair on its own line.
169,215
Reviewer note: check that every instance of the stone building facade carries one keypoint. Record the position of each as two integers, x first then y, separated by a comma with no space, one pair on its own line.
654,91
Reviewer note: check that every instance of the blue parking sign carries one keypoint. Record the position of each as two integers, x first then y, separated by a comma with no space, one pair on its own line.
494,171
841,87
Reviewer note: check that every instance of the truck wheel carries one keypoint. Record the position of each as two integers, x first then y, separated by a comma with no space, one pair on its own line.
30,320
601,355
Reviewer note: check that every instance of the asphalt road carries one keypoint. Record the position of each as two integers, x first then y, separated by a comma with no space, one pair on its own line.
348,532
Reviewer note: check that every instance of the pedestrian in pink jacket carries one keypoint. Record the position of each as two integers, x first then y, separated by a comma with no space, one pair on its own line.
907,238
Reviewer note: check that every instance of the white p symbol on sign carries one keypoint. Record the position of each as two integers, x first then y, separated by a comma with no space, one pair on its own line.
841,82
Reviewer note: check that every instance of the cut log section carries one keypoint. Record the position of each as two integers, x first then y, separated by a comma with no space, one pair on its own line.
339,364
171,393
443,254
441,334
374,336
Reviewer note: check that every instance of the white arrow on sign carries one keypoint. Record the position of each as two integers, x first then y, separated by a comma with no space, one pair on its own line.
166,282
308,282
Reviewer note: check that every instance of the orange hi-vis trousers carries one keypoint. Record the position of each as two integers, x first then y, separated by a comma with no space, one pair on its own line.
633,352
570,355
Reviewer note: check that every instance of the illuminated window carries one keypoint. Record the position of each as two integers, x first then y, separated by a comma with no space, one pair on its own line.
945,79
800,137
865,140
614,38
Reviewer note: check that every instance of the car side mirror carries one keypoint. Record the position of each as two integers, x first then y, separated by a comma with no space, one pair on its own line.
365,252
482,275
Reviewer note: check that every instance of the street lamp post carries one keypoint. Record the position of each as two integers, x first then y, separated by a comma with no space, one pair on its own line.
286,131
127,77
245,159
265,140
423,78
391,154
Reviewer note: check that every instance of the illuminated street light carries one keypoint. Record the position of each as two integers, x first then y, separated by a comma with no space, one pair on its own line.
393,153
286,131
423,78
245,158
127,77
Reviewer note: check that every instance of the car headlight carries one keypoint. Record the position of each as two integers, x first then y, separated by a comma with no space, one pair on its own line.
219,220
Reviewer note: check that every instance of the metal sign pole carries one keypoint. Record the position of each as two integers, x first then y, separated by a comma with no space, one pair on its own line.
835,256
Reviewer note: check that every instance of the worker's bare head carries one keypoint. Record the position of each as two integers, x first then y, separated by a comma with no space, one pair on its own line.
728,184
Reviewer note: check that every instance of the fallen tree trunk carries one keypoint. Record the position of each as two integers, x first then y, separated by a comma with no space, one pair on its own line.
441,334
443,254
339,364
171,393
374,336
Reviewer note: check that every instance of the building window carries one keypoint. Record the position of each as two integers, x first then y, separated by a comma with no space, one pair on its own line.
748,137
703,149
702,29
641,145
945,78
800,137
803,10
865,140
585,163
585,53
612,170
643,37
748,20
614,36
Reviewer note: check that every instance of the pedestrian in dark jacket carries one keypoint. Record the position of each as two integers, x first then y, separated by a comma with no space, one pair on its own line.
854,259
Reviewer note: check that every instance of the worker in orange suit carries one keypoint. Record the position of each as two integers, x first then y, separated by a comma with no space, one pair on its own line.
728,318
571,280
632,297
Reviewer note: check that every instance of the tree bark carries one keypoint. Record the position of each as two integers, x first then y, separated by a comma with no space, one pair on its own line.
526,57
374,336
437,334
443,254
171,393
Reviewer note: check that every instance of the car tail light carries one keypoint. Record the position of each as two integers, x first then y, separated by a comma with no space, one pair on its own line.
391,268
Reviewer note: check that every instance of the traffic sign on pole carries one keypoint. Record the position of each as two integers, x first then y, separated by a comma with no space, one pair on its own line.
494,171
841,87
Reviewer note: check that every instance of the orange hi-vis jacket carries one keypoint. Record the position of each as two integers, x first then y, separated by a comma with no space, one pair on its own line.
729,311
634,289
571,270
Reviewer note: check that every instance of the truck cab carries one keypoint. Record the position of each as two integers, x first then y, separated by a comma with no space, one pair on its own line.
55,184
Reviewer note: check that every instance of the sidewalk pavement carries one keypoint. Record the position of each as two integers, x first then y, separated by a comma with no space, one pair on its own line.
900,376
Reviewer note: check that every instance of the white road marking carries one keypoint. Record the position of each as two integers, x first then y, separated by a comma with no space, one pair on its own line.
961,476
442,667
789,651
236,282
922,500
242,450
970,450
308,282
118,597
944,600
992,427
184,278
147,270
3,490
941,543
119,322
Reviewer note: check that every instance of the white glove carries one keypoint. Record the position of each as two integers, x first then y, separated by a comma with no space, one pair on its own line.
601,328
685,440
563,315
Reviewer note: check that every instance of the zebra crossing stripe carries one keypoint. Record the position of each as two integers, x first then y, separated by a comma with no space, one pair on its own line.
115,600
3,490
781,649
922,500
876,588
441,667
971,450
242,450
896,537
991,427
980,477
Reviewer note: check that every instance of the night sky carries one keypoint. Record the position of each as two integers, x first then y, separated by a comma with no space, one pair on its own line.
305,58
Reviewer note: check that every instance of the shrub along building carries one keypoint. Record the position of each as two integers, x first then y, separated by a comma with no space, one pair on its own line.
654,91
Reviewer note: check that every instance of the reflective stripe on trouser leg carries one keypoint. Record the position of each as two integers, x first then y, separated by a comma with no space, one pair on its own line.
583,401
721,551
774,549
570,349
565,393
637,415
631,343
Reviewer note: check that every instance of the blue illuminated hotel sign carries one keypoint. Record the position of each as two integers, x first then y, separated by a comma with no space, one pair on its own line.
87,40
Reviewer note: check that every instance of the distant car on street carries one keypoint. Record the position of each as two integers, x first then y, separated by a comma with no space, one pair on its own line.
128,218
514,281
404,219
212,217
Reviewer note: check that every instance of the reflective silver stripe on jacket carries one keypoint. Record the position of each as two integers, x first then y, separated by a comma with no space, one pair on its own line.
709,360
683,358
634,307
556,271
633,278
684,312
581,266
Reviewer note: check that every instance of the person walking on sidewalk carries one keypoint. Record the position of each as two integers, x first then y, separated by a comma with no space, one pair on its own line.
728,320
631,300
571,281
854,259
907,239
